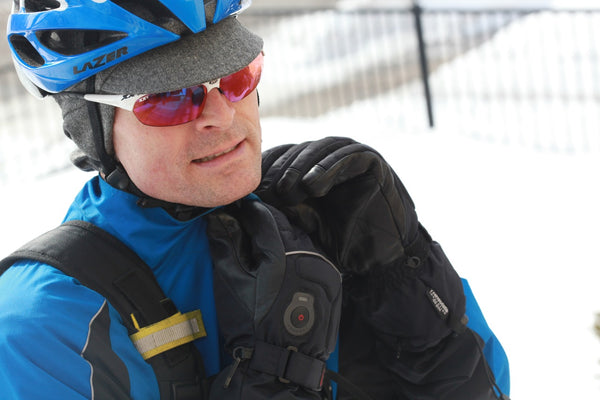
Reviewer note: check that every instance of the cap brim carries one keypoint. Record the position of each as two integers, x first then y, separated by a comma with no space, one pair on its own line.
220,50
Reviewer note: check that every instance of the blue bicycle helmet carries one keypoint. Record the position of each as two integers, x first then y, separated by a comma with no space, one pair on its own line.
58,43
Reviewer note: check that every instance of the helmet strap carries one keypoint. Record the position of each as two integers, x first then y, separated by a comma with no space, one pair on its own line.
107,163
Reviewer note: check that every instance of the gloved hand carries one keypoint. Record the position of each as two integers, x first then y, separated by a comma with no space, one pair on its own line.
369,215
278,304
348,198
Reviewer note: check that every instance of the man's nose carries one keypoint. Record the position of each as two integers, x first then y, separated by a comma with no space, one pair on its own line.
218,112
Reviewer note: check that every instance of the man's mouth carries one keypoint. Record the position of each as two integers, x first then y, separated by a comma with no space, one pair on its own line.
212,157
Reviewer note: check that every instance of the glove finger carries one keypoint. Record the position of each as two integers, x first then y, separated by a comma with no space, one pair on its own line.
275,162
269,156
342,165
360,160
311,155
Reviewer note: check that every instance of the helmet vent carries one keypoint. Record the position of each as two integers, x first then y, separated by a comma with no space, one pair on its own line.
156,13
71,42
26,51
41,5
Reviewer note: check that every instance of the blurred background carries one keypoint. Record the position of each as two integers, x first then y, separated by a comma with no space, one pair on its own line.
521,72
488,110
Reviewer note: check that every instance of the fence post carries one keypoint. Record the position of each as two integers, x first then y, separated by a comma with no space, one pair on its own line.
423,63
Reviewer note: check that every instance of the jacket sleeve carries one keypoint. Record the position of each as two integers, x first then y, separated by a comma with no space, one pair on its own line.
58,337
470,365
493,351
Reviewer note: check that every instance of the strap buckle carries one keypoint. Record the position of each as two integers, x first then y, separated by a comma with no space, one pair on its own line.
289,365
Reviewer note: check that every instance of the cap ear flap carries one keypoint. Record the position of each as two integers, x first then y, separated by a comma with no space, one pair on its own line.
78,127
83,162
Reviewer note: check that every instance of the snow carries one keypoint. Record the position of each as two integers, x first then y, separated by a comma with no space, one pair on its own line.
519,220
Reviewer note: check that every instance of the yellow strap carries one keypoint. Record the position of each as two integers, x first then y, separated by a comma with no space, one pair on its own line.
169,333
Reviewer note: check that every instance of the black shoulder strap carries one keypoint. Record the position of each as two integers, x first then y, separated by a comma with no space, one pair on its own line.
106,265
102,263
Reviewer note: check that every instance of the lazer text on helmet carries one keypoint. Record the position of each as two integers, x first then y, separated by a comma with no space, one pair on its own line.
100,61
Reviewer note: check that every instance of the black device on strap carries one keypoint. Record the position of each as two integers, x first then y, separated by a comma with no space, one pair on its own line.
104,264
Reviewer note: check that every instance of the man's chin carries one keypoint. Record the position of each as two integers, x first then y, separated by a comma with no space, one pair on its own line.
235,192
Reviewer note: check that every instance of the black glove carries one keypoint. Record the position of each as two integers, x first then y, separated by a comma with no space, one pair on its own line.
347,197
369,216
278,304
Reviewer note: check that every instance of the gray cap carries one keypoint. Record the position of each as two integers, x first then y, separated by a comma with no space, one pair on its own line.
218,51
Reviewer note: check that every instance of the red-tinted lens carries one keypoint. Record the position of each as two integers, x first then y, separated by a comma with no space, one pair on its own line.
240,84
185,105
171,108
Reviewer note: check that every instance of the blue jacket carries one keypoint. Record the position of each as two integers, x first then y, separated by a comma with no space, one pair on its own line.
48,320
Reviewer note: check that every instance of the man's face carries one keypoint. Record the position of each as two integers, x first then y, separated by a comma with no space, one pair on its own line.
210,161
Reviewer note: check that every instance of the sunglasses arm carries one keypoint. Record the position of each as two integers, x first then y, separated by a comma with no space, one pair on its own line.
124,101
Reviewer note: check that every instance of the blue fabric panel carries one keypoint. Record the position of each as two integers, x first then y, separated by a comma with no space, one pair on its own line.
493,350
51,319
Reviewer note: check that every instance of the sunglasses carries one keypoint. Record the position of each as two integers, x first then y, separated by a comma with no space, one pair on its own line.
184,105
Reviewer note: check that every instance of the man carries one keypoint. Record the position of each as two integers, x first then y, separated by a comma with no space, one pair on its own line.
160,98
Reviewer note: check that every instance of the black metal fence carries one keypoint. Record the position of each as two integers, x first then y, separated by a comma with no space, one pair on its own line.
534,81
525,77
529,77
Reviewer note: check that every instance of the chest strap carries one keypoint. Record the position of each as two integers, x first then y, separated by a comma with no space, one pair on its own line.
288,365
